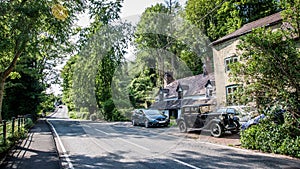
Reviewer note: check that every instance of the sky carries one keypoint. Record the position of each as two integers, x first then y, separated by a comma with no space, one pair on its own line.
130,8
135,7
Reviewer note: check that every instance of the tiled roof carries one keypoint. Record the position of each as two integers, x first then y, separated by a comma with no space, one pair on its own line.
177,104
195,84
266,21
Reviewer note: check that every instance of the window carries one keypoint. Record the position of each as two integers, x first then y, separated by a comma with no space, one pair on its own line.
230,94
230,60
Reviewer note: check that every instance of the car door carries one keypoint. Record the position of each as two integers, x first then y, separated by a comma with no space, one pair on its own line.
197,117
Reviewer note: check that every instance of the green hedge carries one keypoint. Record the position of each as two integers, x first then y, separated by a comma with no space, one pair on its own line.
269,136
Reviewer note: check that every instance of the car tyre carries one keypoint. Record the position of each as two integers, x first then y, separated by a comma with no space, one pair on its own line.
182,126
133,123
216,130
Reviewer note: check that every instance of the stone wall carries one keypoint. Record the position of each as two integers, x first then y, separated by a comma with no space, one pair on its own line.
220,52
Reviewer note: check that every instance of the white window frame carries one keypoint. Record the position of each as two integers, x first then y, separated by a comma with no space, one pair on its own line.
229,60
229,91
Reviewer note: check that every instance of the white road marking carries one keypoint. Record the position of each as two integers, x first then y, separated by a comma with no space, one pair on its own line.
84,125
142,147
147,149
65,155
103,132
186,164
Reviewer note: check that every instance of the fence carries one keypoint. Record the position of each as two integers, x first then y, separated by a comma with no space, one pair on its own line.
11,128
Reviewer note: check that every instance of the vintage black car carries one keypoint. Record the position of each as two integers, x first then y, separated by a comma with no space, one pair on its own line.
200,117
149,118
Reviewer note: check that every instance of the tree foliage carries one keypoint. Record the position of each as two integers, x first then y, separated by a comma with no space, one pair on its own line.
269,72
141,86
269,68
25,27
218,18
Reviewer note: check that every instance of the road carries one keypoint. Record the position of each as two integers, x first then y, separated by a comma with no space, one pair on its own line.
87,144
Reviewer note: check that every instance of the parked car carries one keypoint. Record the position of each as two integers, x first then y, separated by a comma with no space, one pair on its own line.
252,121
201,117
244,113
149,118
277,117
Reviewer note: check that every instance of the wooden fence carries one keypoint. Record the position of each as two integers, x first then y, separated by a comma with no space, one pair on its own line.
11,128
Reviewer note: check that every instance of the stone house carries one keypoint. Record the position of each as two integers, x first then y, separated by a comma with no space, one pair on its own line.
197,89
225,52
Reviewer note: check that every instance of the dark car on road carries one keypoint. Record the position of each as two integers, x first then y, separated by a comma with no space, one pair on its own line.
200,117
149,118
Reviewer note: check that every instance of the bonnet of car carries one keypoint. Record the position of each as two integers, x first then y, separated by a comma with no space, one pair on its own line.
154,114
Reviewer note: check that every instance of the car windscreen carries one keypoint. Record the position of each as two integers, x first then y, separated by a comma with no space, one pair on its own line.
152,112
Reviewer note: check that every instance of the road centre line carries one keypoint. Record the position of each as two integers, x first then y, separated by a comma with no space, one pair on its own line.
142,147
103,132
186,164
65,155
147,149
84,125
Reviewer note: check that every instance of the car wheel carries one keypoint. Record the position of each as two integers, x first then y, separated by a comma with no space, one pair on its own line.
146,123
216,130
133,123
182,127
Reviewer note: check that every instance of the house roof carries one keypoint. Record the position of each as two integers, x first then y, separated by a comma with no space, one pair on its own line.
193,85
177,104
247,28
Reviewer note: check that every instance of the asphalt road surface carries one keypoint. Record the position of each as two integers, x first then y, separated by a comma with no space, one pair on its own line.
87,144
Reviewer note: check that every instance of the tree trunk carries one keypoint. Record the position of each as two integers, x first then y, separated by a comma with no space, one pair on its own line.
2,82
4,75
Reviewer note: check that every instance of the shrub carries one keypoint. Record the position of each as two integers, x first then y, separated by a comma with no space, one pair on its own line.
72,115
269,136
84,115
28,123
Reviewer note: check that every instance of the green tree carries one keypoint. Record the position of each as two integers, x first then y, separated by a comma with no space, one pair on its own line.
269,71
216,21
160,31
67,82
24,23
95,67
270,66
140,88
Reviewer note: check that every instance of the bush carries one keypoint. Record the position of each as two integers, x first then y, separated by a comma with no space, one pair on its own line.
269,136
72,115
79,115
28,123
